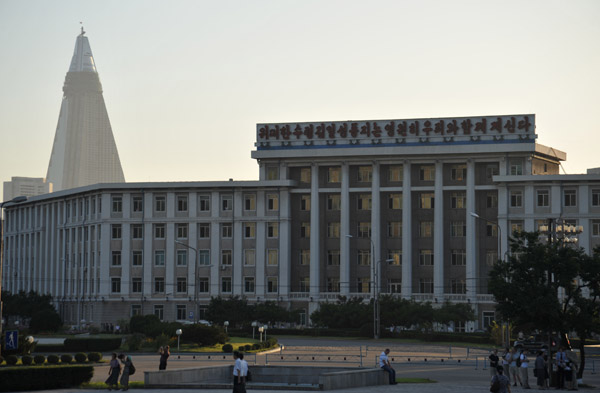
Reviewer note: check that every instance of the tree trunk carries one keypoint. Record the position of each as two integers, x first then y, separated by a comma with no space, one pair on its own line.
582,354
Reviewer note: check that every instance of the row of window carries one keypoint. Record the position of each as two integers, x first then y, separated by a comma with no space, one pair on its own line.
543,198
203,285
203,256
181,230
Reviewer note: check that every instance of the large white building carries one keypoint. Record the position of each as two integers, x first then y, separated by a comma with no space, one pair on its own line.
25,186
332,200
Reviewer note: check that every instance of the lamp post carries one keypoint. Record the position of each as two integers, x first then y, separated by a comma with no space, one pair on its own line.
18,199
254,325
260,332
197,255
376,301
226,324
178,333
265,330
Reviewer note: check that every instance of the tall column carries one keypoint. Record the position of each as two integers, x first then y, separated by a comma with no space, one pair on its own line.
259,251
438,232
376,227
471,246
215,244
345,231
238,235
314,234
406,233
528,204
285,238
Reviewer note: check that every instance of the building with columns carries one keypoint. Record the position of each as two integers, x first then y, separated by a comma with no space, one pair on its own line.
430,203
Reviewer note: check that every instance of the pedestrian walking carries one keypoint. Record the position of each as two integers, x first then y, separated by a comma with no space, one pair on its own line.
506,359
539,370
384,363
126,361
237,373
524,370
503,383
561,362
165,352
494,362
113,373
514,368
243,372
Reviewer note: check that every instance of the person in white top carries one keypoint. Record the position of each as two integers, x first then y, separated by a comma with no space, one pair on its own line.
237,373
384,363
523,370
243,372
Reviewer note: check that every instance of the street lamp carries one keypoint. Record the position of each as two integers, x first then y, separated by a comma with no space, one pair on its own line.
226,324
260,332
376,301
254,325
178,333
265,330
18,199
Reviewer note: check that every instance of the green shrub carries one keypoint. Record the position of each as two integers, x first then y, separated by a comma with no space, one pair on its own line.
227,348
204,335
49,348
53,359
26,360
11,360
39,359
1,359
88,344
161,340
256,346
66,358
247,347
134,342
94,356
241,348
80,357
42,378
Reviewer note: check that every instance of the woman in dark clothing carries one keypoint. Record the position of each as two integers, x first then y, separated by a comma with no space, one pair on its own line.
126,360
540,370
503,380
113,373
164,355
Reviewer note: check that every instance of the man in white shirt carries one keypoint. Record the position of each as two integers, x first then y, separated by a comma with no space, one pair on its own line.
244,372
384,363
237,373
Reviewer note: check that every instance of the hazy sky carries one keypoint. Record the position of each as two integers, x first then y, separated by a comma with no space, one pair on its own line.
185,82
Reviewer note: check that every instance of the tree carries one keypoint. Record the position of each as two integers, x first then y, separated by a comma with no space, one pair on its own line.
345,314
26,305
527,286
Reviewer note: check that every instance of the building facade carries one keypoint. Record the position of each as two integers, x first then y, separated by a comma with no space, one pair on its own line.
416,208
25,186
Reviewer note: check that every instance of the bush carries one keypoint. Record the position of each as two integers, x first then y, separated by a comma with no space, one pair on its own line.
26,360
204,335
134,342
227,348
247,347
94,356
80,357
241,348
11,360
66,358
92,344
53,359
161,340
42,378
39,359
256,346
45,320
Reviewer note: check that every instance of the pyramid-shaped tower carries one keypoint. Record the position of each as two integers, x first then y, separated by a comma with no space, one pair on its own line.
84,150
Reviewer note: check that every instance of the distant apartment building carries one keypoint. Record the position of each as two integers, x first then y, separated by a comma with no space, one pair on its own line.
26,186
333,200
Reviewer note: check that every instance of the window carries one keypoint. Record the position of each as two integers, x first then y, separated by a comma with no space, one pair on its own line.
396,256
181,312
395,229
427,173
364,257
516,168
458,200
305,257
249,230
181,284
226,230
159,311
516,226
226,284
116,258
596,197
249,284
160,203
159,257
182,203
116,231
182,231
249,257
117,204
138,204
204,257
333,175
395,173
159,285
491,230
334,202
137,231
272,230
458,229
427,201
333,230
226,202
363,285
491,257
426,258
364,202
272,202
271,284
425,229
305,175
395,201
395,285
115,284
159,231
137,258
458,286
365,174
516,199
491,200
204,231
543,198
203,284
333,257
182,257
305,229
203,203
226,257
272,173
250,202
272,257
426,285
304,284
136,309
491,170
570,198
488,318
333,284
364,229
458,172
458,258
305,203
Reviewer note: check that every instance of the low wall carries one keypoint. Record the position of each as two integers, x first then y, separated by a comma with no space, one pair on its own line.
353,378
183,376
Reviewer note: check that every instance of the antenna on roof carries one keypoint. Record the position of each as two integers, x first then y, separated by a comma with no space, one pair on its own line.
82,31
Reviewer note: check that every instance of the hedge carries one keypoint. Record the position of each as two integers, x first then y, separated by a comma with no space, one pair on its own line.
53,359
92,344
43,378
39,359
48,348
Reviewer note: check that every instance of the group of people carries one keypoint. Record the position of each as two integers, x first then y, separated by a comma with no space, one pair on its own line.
115,369
513,367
